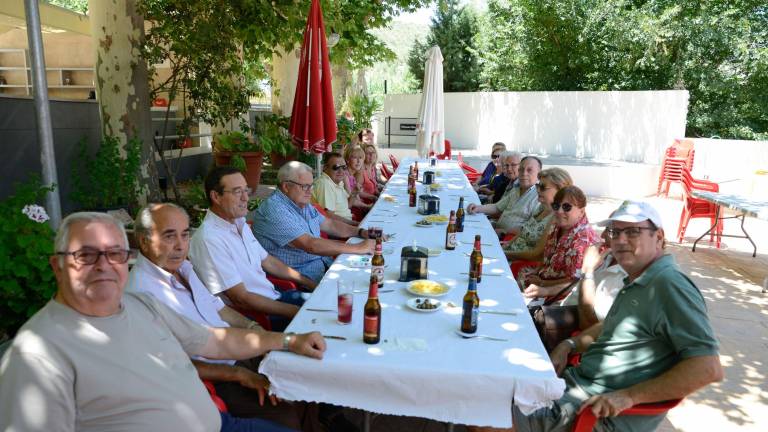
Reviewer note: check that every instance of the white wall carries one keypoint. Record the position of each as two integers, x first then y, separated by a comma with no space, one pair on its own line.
620,126
733,164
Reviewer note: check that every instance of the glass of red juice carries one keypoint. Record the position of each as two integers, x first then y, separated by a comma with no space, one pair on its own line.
344,302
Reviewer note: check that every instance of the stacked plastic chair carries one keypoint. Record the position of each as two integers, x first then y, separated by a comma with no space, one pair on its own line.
471,173
395,162
698,208
385,171
677,156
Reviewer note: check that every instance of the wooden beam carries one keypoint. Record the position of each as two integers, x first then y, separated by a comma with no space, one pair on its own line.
52,18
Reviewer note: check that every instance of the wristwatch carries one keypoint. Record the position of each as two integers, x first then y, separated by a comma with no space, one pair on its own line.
571,342
287,340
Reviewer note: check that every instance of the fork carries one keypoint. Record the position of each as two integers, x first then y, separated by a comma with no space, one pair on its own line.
465,336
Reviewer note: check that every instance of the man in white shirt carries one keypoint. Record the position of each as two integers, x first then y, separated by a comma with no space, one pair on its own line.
94,359
162,271
329,189
230,261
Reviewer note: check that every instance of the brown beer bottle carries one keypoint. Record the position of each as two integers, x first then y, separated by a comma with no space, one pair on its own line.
460,216
377,264
470,308
450,233
476,261
372,314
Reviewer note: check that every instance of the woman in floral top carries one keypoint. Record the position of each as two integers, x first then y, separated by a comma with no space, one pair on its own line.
529,243
564,248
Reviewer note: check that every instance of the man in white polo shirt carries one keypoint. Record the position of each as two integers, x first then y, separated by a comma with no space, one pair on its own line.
161,270
230,261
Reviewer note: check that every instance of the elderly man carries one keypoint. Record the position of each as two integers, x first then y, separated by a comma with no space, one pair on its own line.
162,271
509,169
230,261
329,189
655,344
520,201
93,359
289,226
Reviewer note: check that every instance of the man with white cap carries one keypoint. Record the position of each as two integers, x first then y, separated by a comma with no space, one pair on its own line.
655,344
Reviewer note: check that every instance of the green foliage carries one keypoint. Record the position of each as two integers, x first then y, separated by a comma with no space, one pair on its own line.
26,280
272,134
107,179
80,6
194,200
235,141
345,132
399,37
455,30
715,49
362,107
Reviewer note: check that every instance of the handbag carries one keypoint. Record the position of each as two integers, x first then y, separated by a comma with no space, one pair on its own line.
555,323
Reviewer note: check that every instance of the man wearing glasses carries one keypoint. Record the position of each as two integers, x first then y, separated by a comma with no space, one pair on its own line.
655,343
230,261
288,225
329,189
94,359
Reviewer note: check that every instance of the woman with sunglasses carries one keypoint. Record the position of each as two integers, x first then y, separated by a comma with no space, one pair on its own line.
564,248
490,170
529,243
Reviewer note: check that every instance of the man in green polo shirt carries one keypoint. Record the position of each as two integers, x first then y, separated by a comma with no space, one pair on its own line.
655,344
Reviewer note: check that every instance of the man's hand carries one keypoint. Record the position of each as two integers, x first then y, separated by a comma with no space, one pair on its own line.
591,259
559,357
472,208
608,404
254,381
366,247
308,344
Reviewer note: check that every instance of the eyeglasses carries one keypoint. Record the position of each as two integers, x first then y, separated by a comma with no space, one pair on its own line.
513,166
87,256
304,187
542,187
238,192
631,232
565,206
339,167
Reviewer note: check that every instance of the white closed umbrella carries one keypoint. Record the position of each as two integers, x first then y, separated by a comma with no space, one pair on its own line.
431,130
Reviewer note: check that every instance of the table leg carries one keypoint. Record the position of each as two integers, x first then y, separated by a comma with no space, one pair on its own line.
717,220
754,246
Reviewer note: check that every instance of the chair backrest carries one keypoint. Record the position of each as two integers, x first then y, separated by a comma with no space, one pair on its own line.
385,172
586,420
395,162
217,400
447,152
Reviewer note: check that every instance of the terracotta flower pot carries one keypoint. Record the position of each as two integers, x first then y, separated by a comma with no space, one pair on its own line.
253,164
279,160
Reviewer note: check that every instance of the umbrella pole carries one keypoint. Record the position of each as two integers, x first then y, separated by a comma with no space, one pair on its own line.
318,164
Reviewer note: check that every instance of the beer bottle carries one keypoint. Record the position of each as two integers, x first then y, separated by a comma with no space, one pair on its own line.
412,196
377,264
450,233
372,314
460,216
476,261
469,308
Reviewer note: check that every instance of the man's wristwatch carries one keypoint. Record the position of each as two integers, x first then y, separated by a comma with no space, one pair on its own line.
287,340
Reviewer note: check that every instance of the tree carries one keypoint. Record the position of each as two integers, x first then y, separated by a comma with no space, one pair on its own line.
454,30
715,49
80,6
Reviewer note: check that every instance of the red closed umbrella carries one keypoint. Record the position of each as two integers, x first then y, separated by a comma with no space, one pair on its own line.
313,119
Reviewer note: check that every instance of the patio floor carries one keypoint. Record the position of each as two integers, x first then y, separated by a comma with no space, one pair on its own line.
730,280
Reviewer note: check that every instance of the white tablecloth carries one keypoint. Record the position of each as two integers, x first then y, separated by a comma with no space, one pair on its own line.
422,368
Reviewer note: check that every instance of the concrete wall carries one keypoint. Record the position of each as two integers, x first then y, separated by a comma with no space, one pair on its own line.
617,126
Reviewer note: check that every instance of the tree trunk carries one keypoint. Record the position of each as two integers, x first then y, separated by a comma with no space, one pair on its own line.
122,81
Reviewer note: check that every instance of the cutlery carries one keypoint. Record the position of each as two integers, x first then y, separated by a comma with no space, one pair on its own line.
486,274
366,292
466,336
334,337
500,312
321,310
469,255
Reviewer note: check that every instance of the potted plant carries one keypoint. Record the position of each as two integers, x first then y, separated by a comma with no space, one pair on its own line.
236,149
272,134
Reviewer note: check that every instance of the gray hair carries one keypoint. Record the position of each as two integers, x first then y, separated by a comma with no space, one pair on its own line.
291,170
62,235
144,223
510,153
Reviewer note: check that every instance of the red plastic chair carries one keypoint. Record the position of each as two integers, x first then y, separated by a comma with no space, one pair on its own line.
697,207
586,421
259,317
385,172
219,402
323,212
282,284
395,162
518,265
446,155
676,157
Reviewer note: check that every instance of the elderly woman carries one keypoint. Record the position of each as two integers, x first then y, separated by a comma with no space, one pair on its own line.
354,182
529,243
370,167
564,249
490,170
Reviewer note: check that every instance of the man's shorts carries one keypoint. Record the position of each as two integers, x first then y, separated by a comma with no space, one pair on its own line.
562,414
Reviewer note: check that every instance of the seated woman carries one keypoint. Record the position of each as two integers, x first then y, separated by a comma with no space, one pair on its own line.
529,243
371,162
564,248
355,181
482,185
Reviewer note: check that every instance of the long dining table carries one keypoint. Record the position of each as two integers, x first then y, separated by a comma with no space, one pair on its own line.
422,367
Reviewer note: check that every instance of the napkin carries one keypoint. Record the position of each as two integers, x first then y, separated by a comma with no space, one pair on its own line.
404,344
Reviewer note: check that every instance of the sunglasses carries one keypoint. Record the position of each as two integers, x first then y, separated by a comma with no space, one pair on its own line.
494,156
565,206
339,167
542,187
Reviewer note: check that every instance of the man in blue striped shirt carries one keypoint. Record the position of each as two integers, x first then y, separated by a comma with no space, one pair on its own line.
288,226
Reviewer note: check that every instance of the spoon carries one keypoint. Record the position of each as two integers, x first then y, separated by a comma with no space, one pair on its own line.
466,336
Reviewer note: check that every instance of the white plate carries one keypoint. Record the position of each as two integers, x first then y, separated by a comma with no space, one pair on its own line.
410,289
413,303
358,262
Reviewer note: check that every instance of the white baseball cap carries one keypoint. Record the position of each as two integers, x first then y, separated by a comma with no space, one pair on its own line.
633,211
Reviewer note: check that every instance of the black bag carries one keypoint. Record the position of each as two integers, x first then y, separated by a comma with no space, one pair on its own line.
555,323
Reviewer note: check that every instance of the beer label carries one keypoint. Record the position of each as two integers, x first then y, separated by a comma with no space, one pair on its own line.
469,316
371,326
378,271
450,241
